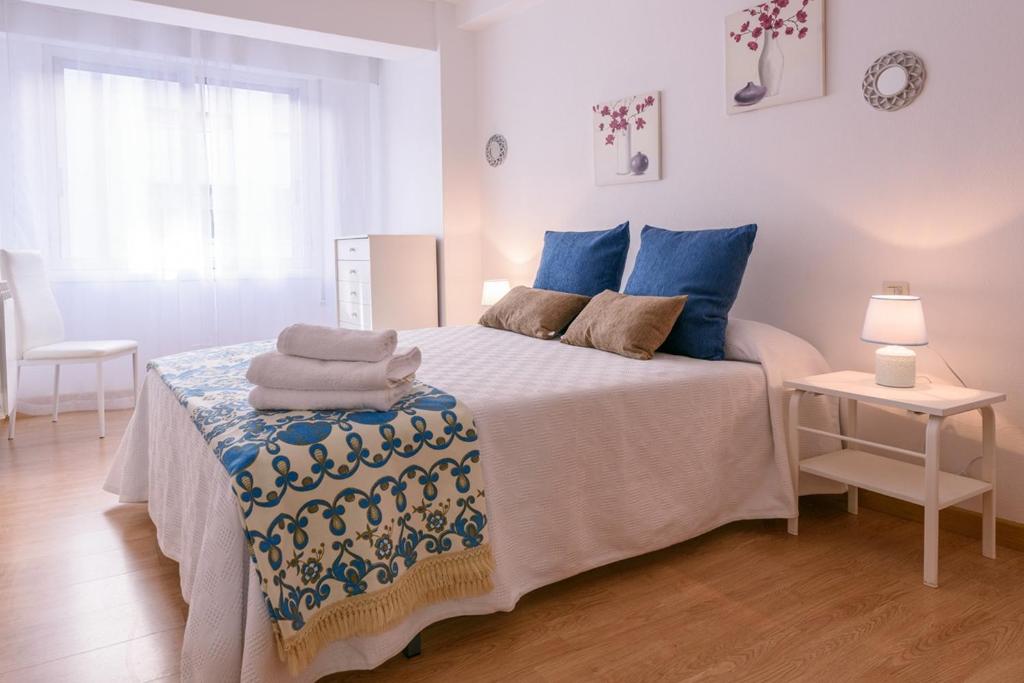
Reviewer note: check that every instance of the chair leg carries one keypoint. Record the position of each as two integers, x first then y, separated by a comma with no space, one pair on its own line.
99,400
135,378
56,391
14,403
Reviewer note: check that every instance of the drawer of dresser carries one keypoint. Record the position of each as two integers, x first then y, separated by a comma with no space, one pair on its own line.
354,292
353,250
354,316
354,271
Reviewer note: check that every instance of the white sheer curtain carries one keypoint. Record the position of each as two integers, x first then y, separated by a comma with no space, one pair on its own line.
184,187
130,163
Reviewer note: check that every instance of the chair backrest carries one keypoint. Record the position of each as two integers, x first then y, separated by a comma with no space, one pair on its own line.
37,316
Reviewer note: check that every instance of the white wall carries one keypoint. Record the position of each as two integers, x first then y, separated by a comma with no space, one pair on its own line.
430,179
410,99
845,196
474,15
461,154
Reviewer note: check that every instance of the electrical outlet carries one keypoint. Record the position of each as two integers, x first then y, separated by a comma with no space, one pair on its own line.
896,287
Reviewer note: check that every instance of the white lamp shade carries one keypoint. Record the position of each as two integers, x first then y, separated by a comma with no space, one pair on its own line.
895,320
493,291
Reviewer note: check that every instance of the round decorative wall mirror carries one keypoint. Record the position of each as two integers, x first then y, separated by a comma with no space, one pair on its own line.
496,150
894,80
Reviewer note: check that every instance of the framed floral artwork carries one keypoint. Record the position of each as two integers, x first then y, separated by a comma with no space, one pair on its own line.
627,140
774,54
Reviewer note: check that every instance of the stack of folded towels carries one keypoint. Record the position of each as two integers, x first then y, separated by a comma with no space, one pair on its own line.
324,368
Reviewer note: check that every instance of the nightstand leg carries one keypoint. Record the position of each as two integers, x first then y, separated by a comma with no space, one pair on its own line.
932,451
988,473
792,525
849,425
849,420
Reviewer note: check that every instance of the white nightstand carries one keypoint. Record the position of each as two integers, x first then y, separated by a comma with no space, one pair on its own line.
921,484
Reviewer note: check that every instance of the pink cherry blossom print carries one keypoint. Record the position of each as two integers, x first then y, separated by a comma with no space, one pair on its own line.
770,19
620,117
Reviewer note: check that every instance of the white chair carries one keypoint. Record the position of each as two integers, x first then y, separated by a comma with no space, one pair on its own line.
41,333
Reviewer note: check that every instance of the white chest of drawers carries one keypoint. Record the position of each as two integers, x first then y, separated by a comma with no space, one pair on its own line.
387,282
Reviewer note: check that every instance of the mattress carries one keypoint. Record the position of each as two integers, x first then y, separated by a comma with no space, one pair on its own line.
588,458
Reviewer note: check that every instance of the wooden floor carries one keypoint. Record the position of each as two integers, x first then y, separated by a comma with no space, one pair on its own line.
87,596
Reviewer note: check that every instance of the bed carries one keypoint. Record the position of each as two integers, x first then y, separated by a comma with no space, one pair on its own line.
589,458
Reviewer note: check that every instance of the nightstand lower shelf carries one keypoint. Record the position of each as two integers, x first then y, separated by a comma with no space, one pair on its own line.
891,477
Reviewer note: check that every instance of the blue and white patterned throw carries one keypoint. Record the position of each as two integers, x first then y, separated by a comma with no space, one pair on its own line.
354,518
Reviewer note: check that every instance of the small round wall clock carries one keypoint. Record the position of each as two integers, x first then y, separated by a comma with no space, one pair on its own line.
496,150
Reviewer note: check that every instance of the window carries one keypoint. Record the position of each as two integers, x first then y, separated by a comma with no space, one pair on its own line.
254,167
171,174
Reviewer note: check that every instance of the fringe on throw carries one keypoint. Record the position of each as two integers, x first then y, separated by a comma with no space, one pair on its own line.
433,579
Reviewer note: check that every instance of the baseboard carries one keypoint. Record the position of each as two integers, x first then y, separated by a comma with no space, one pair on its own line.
117,399
1009,534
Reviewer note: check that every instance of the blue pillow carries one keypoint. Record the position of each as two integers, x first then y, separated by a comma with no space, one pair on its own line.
584,263
707,266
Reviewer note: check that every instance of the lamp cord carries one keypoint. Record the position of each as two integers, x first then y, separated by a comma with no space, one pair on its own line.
960,379
949,367
963,384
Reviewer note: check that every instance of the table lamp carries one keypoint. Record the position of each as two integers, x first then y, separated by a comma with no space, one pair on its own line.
897,322
493,291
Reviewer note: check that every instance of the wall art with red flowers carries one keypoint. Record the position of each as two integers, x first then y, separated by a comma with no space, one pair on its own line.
627,140
774,54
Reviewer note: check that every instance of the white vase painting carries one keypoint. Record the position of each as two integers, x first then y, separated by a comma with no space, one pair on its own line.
774,54
627,139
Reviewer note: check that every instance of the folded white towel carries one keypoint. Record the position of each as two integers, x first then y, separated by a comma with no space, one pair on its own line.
278,371
264,398
333,343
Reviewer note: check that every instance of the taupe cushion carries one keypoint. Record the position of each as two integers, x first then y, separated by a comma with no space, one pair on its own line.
536,313
631,326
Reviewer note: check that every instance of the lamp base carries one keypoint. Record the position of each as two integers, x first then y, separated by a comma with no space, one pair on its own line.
895,366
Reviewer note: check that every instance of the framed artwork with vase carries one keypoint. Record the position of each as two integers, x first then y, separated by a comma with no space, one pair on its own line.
627,139
774,54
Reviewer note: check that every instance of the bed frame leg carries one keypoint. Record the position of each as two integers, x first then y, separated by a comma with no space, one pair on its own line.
414,648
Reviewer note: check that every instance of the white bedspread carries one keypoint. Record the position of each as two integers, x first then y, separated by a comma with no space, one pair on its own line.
588,458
